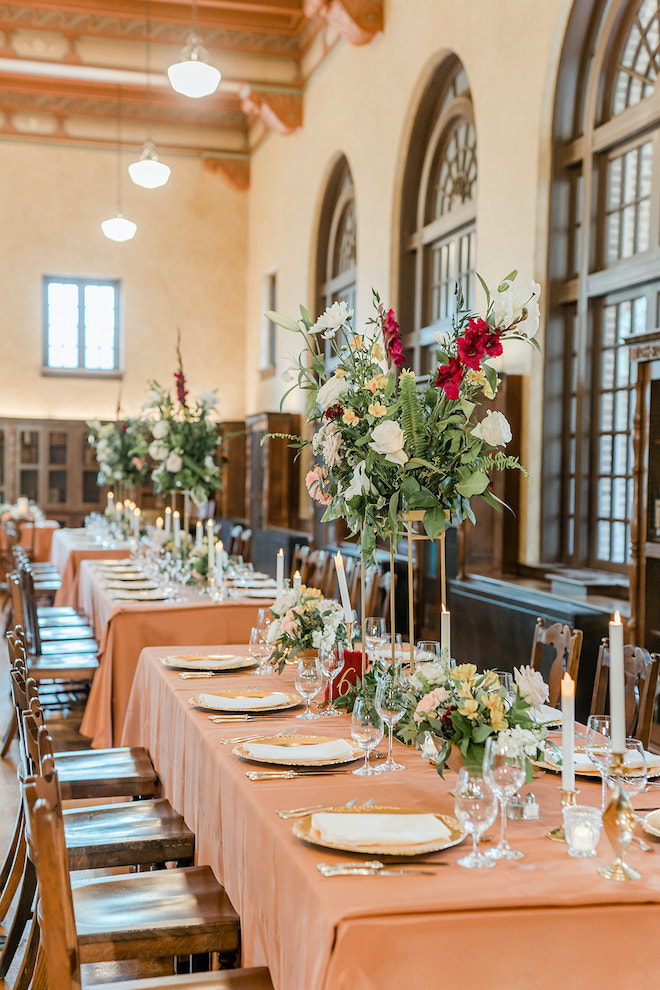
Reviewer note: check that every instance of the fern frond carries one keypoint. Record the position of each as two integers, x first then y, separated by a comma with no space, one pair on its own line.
412,417
504,462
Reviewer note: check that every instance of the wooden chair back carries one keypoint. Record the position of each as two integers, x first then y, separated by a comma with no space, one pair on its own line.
640,672
245,550
378,592
30,609
234,547
15,590
308,569
556,649
298,559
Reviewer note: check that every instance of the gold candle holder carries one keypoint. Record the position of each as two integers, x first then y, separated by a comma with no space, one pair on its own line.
568,799
618,822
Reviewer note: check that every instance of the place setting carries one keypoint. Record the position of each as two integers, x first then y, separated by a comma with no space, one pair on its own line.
192,666
245,700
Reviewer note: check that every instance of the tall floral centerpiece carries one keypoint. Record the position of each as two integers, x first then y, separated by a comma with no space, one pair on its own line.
304,620
184,439
117,447
386,444
461,708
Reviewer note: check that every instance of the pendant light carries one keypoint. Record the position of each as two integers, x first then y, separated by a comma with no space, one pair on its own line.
118,228
192,75
148,171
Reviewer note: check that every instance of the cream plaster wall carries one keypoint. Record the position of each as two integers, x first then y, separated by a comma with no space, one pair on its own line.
362,102
184,268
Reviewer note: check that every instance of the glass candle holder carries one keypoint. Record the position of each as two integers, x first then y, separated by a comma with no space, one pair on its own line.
582,829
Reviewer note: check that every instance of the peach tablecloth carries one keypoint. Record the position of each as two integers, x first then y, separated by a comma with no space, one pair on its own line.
544,921
37,537
68,549
124,629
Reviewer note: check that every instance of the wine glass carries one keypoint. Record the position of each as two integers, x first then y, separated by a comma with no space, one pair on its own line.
332,661
635,771
309,681
596,746
475,806
505,678
264,619
427,651
260,651
391,705
374,634
504,769
366,731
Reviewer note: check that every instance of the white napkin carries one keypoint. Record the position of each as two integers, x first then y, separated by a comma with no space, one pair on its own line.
204,663
366,829
223,703
583,764
255,592
545,714
333,749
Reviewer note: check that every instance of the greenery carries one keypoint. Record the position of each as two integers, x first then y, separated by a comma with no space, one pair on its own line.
303,620
117,446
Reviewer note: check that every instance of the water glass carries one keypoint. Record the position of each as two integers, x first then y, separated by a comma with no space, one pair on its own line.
260,651
374,635
309,681
475,806
504,769
582,829
597,747
391,704
366,731
427,651
635,772
332,662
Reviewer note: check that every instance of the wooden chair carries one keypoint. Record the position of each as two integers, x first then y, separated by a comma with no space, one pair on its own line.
61,953
234,547
144,916
46,639
321,572
298,559
245,546
556,649
640,672
378,592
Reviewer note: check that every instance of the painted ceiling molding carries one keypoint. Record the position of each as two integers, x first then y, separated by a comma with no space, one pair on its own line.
235,171
356,21
281,112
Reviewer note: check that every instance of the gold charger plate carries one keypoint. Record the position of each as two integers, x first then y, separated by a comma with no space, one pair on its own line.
292,702
140,596
651,823
589,774
297,740
174,663
303,830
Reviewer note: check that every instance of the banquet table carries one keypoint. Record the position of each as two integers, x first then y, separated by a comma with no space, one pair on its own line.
36,537
123,629
68,549
543,921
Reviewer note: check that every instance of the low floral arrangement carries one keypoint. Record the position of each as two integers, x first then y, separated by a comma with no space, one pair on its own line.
116,446
461,707
10,511
185,439
387,444
304,620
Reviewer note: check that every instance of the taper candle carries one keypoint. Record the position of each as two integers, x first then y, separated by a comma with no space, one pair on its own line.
168,521
136,523
617,687
567,733
280,572
343,587
219,554
119,510
110,502
445,631
297,581
199,533
159,522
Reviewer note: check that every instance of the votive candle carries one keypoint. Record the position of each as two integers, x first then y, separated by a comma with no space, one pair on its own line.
567,733
343,587
280,572
617,687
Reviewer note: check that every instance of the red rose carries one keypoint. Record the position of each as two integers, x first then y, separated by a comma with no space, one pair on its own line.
449,377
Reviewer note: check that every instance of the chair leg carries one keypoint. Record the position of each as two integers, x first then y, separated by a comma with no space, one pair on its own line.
27,968
10,732
39,980
12,870
21,918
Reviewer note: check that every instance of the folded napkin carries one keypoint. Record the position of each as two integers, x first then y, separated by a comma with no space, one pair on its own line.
131,585
333,749
242,702
544,714
204,663
583,764
364,829
256,592
257,583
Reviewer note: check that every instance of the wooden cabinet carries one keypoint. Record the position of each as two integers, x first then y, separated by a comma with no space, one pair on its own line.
232,497
51,463
271,471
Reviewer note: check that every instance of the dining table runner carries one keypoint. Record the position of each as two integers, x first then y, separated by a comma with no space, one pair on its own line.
544,920
124,628
68,549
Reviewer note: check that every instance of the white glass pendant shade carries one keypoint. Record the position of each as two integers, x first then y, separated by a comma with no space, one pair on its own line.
148,171
192,75
118,228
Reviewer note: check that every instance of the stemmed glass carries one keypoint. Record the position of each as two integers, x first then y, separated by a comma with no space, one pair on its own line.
366,731
504,769
260,651
427,651
635,771
475,806
391,705
309,681
506,681
332,661
597,746
264,619
374,634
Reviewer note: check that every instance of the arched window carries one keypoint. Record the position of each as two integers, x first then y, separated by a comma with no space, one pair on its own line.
438,219
604,268
336,270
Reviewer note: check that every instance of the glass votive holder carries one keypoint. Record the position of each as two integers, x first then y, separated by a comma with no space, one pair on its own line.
582,829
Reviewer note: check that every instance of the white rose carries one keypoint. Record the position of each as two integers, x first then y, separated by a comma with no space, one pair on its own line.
494,429
160,429
359,483
173,464
330,393
388,438
531,686
208,399
158,450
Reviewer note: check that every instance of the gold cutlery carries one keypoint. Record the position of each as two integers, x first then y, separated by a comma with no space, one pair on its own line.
255,737
314,809
328,869
290,774
230,718
371,871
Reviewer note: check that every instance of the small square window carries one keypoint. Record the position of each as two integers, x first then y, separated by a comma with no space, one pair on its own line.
81,326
